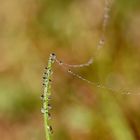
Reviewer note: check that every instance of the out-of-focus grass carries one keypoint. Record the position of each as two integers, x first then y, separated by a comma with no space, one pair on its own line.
30,30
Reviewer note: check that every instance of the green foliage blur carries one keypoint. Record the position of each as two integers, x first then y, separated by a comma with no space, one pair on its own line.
32,29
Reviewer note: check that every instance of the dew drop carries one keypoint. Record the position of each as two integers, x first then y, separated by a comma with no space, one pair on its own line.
69,71
128,93
53,56
101,42
49,106
45,74
49,98
50,129
42,97
43,110
60,62
44,77
98,86
106,16
49,116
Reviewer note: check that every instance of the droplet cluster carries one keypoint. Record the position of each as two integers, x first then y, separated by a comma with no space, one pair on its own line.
61,63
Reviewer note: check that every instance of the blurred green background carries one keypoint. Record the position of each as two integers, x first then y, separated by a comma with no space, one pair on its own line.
30,30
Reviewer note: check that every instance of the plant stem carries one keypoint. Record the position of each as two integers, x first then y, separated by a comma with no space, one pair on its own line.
46,96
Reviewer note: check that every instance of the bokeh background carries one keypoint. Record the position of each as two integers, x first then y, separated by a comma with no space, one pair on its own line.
30,30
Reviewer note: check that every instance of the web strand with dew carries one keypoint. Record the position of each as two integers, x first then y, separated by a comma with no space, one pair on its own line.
101,86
